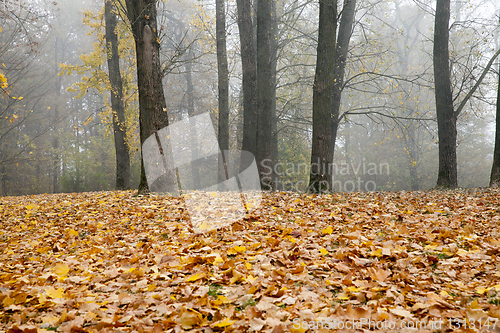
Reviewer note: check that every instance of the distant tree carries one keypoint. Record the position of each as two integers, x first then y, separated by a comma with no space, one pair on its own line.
117,102
320,178
190,95
24,83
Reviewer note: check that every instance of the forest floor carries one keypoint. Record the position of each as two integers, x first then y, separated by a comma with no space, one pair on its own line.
112,262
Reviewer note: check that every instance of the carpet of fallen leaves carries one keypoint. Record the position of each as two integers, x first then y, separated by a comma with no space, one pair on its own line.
112,262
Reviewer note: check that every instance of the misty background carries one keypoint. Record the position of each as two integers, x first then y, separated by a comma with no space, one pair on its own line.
56,132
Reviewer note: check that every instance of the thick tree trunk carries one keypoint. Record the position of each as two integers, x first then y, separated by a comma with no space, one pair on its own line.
152,107
117,103
249,66
223,76
495,170
4,190
320,177
447,123
344,37
264,94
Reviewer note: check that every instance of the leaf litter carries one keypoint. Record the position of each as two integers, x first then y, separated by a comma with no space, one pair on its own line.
112,262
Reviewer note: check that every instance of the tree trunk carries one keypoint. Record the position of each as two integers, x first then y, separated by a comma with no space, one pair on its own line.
320,177
249,66
264,93
495,170
239,122
344,37
274,82
195,164
55,138
223,76
152,107
447,123
411,147
117,103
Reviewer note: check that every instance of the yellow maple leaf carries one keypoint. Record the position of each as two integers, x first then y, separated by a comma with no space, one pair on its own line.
376,253
323,251
196,277
54,293
7,301
218,260
236,249
299,329
224,323
481,290
250,279
61,270
474,305
52,320
204,226
327,231
72,232
42,299
221,300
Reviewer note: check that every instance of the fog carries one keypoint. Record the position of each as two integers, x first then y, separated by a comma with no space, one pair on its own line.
56,130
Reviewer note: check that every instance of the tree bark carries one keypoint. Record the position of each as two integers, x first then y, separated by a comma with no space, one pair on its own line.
447,121
117,103
411,147
344,37
152,107
495,170
223,76
264,93
55,138
249,66
320,176
274,82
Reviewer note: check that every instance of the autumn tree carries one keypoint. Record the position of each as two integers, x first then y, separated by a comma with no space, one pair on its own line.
223,81
142,15
447,122
344,37
24,123
446,114
265,90
117,102
249,75
495,169
320,175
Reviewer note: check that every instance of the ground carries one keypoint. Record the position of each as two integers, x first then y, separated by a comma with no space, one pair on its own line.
112,262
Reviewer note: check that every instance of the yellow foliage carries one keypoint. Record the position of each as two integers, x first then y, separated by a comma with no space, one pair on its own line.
95,75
